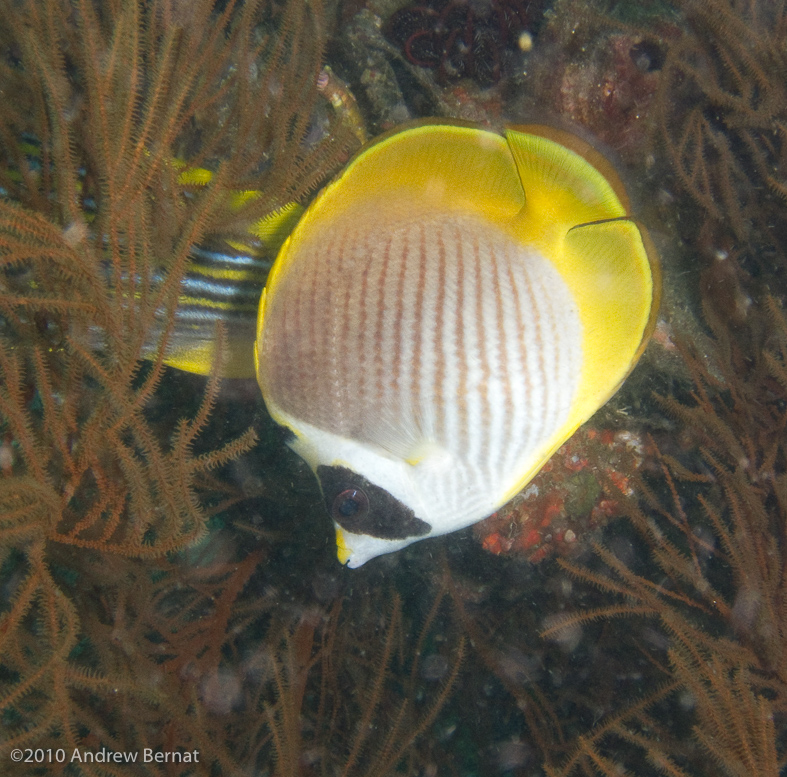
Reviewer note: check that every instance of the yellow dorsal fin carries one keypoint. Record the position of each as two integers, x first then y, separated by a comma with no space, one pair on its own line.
443,166
565,181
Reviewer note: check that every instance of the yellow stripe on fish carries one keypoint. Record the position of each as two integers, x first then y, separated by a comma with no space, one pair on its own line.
445,315
223,283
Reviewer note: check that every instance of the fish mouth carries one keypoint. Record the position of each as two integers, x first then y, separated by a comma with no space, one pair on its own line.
354,550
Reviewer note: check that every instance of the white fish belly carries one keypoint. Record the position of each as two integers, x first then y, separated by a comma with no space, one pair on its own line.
439,333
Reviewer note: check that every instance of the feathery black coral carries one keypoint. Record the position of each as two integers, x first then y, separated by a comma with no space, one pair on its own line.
104,105
713,524
721,112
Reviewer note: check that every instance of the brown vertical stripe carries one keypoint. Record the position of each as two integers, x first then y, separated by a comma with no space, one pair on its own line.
307,348
344,343
362,354
460,351
502,350
537,345
418,319
439,396
551,336
519,338
482,339
379,350
395,375
328,316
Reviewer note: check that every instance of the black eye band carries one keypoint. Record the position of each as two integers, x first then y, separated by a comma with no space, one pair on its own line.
361,507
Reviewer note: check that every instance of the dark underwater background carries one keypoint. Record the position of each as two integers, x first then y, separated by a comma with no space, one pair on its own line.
168,576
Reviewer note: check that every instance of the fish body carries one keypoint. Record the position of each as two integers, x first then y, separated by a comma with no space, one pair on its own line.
445,315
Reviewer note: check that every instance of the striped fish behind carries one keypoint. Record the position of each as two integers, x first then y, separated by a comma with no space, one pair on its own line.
221,284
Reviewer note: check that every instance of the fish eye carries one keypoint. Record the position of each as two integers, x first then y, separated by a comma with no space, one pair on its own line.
352,503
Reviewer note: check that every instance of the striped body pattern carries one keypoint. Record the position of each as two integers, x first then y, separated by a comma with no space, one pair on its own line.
439,341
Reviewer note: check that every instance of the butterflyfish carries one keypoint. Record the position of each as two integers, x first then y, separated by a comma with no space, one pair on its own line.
443,317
